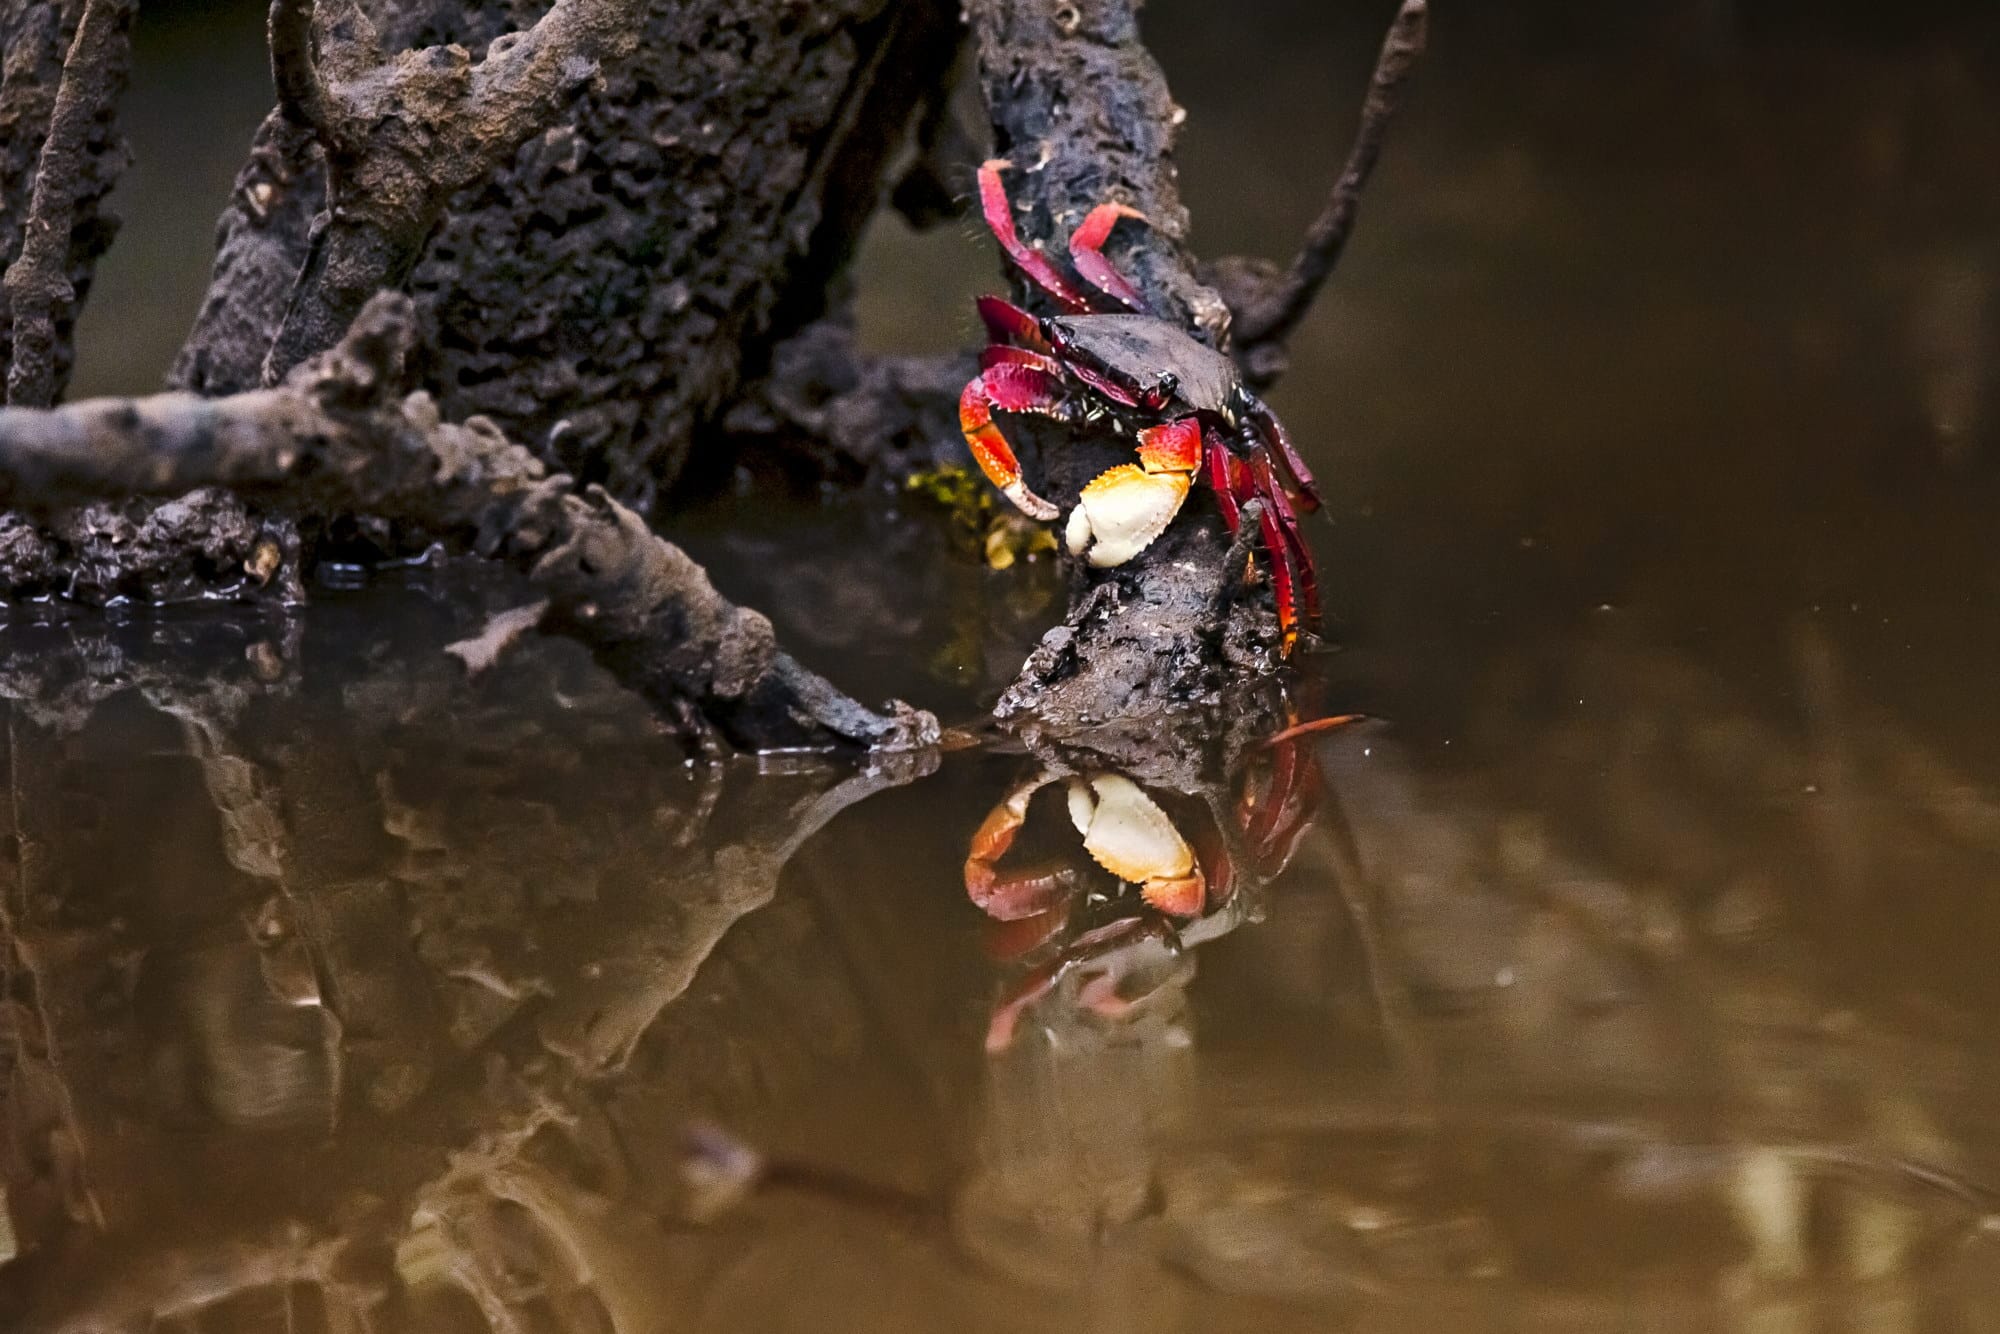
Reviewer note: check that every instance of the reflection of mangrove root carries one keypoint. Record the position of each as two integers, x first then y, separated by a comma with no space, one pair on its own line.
180,1284
42,1106
335,438
597,1024
719,1172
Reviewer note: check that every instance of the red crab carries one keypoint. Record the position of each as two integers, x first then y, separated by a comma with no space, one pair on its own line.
1107,358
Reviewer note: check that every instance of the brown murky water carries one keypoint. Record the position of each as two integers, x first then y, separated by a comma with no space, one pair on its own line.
1632,969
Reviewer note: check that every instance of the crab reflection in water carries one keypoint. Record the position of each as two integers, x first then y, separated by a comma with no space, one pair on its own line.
1195,872
1527,1091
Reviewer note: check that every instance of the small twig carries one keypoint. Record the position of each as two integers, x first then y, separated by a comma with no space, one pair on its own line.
480,652
1235,566
1273,317
37,284
301,96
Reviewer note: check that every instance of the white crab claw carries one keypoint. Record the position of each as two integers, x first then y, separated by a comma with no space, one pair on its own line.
1122,511
1126,832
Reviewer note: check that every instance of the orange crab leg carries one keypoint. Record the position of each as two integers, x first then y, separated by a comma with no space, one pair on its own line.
1177,896
1029,260
1024,935
1042,982
1315,726
1014,896
1007,323
1015,1004
1010,387
1086,252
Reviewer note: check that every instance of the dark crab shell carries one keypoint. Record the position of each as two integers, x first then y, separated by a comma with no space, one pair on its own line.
1135,350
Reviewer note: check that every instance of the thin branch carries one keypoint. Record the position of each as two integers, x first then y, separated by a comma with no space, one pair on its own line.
525,76
1273,317
1237,558
301,95
404,133
37,284
336,438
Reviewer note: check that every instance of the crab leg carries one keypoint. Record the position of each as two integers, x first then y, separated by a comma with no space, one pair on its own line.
1269,485
1298,478
1098,992
1024,935
1226,480
1028,259
999,354
1274,810
1086,252
1284,584
1125,508
1010,896
1235,481
1015,896
1010,387
1007,323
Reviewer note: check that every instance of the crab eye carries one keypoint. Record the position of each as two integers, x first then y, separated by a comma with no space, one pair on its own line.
1241,402
1162,391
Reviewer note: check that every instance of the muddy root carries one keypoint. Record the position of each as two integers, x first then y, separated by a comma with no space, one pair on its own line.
338,436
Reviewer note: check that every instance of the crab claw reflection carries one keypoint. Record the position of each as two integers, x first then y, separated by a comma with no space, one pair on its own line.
1094,948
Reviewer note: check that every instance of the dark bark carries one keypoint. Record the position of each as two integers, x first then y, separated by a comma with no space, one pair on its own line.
37,284
259,248
60,155
603,295
403,133
338,437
